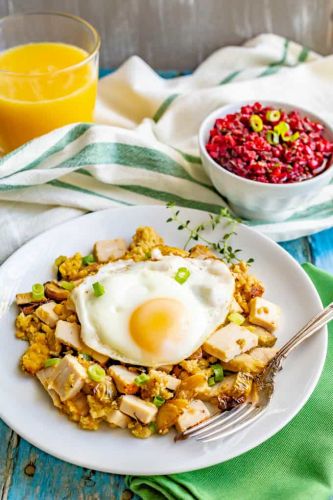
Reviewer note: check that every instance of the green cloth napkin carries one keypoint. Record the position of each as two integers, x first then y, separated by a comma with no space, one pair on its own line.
295,464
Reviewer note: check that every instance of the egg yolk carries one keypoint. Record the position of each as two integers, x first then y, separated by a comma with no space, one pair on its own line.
157,321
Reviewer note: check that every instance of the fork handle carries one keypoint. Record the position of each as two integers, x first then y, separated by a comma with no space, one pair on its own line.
317,322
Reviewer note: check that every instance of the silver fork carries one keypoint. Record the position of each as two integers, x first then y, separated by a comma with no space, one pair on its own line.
224,424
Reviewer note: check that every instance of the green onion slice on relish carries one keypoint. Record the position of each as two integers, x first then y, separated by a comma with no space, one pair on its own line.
273,115
256,123
272,137
290,138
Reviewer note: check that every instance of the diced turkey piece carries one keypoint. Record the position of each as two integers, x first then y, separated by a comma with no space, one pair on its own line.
69,334
251,362
45,376
124,379
264,313
196,413
265,338
106,250
138,409
69,378
230,341
172,382
119,419
47,315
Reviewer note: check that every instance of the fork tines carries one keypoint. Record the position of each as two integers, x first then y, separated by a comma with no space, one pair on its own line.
224,424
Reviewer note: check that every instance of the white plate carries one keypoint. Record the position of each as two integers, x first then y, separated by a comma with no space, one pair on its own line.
25,406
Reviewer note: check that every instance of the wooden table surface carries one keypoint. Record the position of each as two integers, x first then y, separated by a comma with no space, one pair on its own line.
28,473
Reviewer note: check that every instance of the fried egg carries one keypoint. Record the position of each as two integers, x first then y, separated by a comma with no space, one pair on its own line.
146,316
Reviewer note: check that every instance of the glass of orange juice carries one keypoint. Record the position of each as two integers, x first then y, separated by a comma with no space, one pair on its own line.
48,74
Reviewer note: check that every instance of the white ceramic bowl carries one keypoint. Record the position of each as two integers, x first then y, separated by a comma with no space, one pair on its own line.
257,200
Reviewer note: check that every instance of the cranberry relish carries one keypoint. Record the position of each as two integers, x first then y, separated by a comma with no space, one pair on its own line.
269,145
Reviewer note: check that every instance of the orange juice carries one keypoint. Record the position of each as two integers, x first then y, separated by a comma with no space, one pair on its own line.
43,86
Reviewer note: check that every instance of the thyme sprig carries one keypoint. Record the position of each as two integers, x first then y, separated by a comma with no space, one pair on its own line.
222,246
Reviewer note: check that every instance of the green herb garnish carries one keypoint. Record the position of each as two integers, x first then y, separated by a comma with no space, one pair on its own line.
222,246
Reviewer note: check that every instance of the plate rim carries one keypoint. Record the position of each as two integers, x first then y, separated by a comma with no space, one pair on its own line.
166,471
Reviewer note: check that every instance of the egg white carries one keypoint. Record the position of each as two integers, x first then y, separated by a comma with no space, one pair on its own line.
205,297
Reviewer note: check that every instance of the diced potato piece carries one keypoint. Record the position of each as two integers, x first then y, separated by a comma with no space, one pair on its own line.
196,413
138,409
69,378
229,341
191,386
207,392
118,419
264,313
263,354
172,382
45,376
55,292
265,338
46,314
69,334
253,362
124,379
169,413
106,250
244,363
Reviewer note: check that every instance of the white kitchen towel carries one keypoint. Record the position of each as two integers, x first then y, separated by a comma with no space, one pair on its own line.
143,149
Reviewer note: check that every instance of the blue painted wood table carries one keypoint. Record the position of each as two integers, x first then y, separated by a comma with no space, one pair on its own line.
28,473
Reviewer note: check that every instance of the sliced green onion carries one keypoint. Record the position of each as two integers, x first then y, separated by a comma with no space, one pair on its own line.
88,259
256,123
218,372
290,138
281,128
273,115
211,381
51,362
59,260
158,401
96,373
236,317
141,379
272,137
152,427
182,275
67,285
99,289
85,356
37,291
